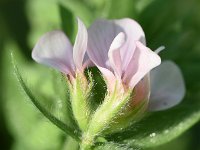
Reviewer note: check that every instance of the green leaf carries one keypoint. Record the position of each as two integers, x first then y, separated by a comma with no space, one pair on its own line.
46,18
113,146
37,137
70,144
160,127
127,8
122,9
72,132
180,143
79,9
67,21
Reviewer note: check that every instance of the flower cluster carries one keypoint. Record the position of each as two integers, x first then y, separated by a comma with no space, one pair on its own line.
118,49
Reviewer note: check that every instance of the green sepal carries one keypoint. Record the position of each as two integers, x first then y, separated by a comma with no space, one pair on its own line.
107,112
80,99
129,116
112,106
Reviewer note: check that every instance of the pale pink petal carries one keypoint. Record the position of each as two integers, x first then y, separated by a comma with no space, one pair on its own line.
142,61
102,33
54,49
114,54
87,62
126,54
167,86
134,32
80,45
100,36
141,91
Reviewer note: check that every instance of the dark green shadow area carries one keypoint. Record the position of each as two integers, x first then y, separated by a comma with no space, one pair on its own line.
5,137
13,25
16,23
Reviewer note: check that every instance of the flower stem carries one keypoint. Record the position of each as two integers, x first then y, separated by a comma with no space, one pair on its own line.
87,142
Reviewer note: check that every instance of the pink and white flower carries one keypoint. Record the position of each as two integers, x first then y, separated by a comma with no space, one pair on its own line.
118,49
55,50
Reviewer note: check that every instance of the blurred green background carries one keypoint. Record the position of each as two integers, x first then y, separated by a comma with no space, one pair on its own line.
172,23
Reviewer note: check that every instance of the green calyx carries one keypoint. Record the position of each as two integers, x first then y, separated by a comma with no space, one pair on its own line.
80,91
102,119
127,117
113,115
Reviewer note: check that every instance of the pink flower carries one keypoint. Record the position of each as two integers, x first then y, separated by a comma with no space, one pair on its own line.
118,49
55,50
